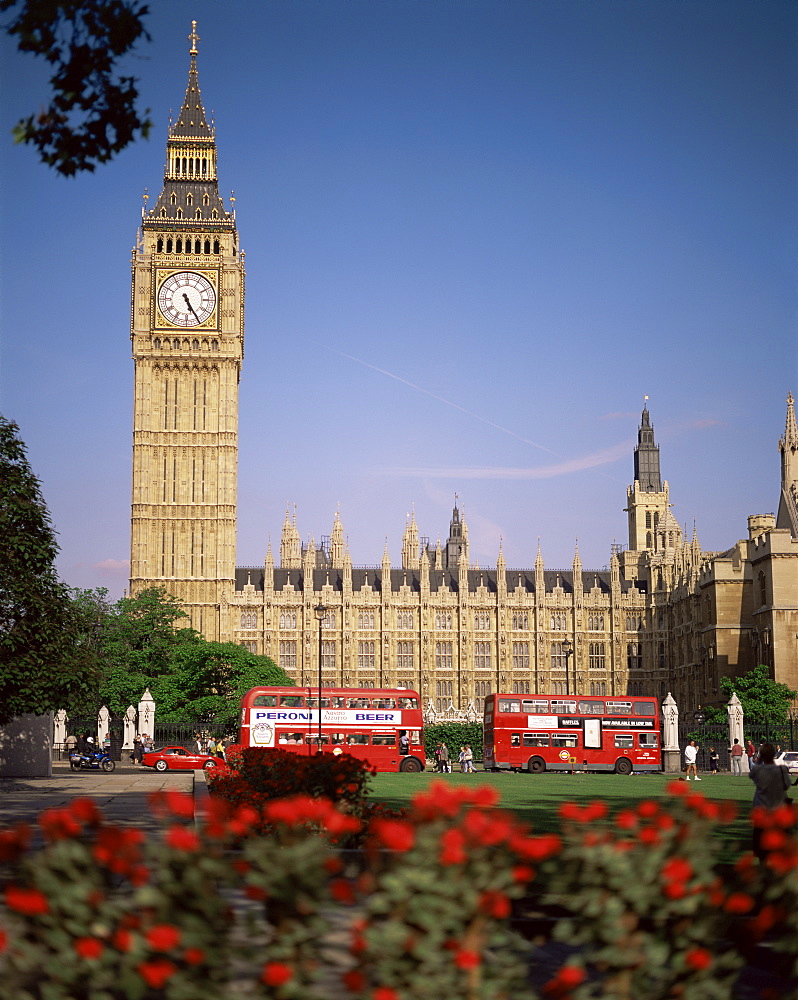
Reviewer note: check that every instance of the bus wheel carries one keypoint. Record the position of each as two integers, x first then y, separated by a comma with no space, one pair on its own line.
623,766
536,765
410,764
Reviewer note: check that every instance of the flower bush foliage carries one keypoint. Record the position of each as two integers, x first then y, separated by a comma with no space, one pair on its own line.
257,898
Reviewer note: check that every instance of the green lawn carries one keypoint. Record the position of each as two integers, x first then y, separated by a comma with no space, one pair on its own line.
534,798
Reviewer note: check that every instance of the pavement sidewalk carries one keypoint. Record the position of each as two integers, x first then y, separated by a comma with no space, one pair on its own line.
122,796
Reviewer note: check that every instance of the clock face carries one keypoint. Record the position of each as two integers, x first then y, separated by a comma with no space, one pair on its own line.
186,298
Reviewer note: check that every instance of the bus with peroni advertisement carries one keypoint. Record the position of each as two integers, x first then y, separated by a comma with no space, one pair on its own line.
538,733
382,726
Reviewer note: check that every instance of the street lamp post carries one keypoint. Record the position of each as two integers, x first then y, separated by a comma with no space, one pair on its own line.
568,648
321,614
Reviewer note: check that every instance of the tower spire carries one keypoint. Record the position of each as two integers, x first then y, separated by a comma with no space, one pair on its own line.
647,455
787,516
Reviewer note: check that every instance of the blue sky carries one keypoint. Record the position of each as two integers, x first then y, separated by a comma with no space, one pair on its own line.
478,233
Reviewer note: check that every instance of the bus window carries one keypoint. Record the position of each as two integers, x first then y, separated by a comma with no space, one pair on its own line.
408,703
383,739
624,741
590,707
619,708
649,741
292,700
357,738
358,703
314,702
315,739
385,703
509,705
415,736
563,707
536,739
645,708
515,739
337,738
290,738
265,701
563,739
337,701
536,707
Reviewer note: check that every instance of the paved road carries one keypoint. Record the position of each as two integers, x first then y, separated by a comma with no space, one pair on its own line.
122,795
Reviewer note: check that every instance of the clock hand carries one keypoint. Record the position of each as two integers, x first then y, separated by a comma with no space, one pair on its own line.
190,307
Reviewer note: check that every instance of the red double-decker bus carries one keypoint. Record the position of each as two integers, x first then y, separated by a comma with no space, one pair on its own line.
539,733
382,726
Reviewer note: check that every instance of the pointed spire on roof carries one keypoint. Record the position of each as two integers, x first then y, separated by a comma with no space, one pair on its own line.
790,428
191,122
787,516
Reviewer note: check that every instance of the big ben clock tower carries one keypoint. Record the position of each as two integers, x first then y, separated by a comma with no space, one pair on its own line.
187,333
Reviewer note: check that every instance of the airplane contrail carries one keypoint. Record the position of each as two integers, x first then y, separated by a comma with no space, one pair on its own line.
442,399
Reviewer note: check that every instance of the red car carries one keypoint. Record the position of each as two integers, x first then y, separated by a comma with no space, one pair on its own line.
178,759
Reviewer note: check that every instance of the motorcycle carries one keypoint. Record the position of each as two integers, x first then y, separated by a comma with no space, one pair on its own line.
95,761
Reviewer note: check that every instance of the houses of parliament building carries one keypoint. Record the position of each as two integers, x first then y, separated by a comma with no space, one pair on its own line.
665,616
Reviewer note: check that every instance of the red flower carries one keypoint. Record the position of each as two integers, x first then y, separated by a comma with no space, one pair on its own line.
467,959
180,804
122,940
342,891
648,809
276,973
88,947
495,904
453,844
648,835
194,956
384,993
739,902
626,819
3,940
537,848
698,959
485,796
182,839
85,810
163,937
566,979
677,870
58,824
523,873
354,980
31,902
156,974
674,890
396,835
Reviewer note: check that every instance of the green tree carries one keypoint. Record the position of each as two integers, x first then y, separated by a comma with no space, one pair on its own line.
45,661
92,113
208,679
761,697
140,639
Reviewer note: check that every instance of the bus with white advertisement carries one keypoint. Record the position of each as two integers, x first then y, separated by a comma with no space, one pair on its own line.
538,733
381,726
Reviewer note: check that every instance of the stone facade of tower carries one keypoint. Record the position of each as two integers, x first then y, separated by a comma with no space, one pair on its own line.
187,333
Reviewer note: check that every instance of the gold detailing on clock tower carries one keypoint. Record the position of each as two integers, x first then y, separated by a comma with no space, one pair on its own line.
187,333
